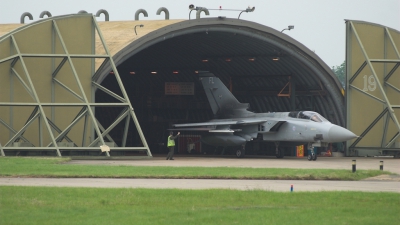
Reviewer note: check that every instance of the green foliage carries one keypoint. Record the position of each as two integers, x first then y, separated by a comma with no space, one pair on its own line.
45,205
56,167
340,72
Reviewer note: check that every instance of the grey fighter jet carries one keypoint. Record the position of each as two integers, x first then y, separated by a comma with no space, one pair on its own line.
236,125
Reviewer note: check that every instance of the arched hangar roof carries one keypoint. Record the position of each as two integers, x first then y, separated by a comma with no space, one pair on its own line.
241,53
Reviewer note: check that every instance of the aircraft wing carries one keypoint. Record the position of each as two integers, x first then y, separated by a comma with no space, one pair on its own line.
250,121
211,130
224,126
222,123
192,129
216,126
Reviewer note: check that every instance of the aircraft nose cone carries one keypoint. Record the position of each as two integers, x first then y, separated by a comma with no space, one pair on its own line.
339,134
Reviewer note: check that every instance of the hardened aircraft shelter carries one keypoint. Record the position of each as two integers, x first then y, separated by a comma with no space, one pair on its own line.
73,86
373,84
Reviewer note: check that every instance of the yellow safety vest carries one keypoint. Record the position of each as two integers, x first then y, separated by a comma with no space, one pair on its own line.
171,142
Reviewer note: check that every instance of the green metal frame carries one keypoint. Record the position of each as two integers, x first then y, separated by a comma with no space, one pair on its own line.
388,109
87,112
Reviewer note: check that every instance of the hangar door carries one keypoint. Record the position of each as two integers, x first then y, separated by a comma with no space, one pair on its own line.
373,88
47,84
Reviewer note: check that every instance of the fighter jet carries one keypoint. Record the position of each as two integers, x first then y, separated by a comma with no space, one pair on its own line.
235,125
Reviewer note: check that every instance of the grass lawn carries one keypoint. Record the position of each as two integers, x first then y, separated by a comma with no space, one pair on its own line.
56,167
45,205
52,205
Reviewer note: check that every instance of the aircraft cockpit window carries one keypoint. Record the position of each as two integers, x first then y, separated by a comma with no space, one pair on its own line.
322,118
314,116
293,114
304,115
308,115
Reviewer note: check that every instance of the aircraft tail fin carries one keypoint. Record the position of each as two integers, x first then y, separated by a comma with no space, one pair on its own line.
223,103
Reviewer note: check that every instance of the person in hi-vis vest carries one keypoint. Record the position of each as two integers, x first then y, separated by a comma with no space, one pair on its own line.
171,145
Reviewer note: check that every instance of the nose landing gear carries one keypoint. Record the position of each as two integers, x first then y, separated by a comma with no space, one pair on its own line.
312,156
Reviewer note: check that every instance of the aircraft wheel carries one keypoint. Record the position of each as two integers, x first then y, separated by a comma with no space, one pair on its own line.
280,154
314,157
309,157
239,153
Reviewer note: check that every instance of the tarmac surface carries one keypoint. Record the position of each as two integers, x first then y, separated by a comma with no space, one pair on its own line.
384,183
365,163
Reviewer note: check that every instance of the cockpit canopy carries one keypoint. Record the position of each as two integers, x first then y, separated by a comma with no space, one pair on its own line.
308,115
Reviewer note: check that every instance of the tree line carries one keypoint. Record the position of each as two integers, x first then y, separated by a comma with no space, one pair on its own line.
340,72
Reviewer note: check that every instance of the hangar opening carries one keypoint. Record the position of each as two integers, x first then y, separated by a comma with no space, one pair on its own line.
261,66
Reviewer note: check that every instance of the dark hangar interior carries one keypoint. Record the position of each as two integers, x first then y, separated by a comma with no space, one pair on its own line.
261,66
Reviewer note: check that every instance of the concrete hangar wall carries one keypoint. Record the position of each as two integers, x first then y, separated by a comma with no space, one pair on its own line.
260,65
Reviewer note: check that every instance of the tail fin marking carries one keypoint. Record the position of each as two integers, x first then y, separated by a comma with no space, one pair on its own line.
223,103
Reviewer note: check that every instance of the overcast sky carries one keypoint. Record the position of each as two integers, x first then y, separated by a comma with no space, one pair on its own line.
318,24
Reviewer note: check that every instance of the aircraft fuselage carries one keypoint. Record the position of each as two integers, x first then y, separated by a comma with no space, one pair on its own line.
236,125
280,127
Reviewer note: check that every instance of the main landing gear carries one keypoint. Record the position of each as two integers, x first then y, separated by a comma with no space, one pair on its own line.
279,152
241,151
